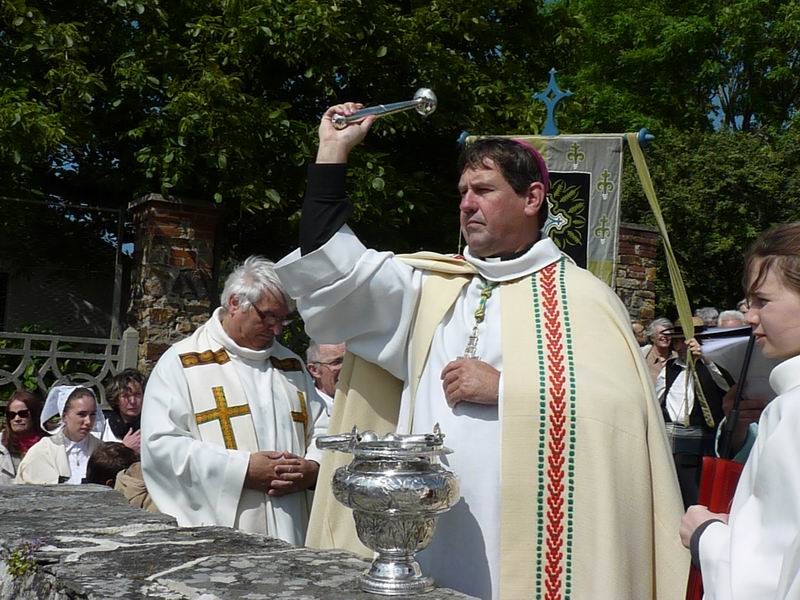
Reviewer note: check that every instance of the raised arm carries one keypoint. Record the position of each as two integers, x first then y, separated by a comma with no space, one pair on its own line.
326,207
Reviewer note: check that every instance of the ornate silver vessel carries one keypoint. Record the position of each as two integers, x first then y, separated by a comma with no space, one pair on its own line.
396,487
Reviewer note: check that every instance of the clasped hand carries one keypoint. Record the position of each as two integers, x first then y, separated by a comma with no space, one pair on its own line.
280,473
470,380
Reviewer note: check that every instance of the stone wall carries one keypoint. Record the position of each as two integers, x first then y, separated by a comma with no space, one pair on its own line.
172,283
89,543
636,269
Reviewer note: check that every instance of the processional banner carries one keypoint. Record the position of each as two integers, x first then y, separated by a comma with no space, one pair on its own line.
583,203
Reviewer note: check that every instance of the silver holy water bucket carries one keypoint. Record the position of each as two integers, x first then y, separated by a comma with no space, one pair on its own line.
396,487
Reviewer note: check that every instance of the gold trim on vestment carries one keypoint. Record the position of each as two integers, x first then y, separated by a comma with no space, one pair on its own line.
302,415
286,364
207,357
223,414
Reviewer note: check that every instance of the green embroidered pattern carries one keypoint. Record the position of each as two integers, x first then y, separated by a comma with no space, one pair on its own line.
572,427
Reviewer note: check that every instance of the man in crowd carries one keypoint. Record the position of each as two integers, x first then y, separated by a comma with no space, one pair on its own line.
230,417
324,362
731,318
708,315
638,332
529,365
692,408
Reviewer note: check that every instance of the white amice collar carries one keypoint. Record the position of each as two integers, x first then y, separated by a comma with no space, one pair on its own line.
785,376
82,446
541,254
223,339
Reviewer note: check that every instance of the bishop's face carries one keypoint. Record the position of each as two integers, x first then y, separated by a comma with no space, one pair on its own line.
495,220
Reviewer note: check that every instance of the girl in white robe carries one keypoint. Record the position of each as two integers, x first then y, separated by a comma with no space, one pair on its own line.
62,458
754,553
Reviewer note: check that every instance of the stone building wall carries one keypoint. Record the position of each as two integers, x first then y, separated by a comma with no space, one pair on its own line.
636,269
173,281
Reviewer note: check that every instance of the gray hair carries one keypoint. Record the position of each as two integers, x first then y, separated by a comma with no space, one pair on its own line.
249,282
650,331
709,314
732,315
313,354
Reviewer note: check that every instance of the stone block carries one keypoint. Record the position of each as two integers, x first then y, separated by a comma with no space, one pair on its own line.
92,544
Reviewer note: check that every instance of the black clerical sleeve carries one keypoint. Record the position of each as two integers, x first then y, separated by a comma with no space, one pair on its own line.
326,207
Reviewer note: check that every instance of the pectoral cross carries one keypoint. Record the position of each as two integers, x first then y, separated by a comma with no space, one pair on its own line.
471,351
223,413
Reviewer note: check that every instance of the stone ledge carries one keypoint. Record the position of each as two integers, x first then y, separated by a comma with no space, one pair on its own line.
95,546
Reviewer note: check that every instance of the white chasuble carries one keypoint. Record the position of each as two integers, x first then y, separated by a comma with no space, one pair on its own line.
568,489
208,404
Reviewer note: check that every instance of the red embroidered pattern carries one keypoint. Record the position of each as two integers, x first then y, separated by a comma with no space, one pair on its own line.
557,406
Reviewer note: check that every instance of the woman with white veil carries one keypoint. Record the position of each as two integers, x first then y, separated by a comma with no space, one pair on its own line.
62,457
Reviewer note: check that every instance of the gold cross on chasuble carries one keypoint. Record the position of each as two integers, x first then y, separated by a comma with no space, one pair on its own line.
223,413
301,416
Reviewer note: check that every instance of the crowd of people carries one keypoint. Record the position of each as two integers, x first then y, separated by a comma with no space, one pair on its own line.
578,450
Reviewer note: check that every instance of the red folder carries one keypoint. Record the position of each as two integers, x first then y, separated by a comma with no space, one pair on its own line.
717,486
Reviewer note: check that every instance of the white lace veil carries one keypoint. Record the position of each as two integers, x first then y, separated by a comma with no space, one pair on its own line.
57,399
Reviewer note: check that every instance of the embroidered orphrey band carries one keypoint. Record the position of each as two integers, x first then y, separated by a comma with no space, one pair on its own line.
556,451
207,357
301,416
286,364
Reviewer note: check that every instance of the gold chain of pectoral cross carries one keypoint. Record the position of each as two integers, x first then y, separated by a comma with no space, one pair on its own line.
471,351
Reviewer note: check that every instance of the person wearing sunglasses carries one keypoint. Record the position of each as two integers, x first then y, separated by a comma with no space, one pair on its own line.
21,431
230,417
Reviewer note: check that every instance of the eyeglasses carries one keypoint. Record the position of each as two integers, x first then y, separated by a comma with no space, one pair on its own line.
271,319
22,414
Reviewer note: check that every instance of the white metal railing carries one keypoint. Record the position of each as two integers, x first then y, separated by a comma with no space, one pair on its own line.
53,359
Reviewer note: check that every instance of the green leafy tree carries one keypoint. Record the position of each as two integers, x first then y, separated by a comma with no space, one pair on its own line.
717,191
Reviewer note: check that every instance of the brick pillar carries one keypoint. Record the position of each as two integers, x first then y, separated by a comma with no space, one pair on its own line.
172,280
636,269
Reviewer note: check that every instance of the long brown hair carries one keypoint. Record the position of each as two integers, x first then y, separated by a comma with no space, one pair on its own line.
776,250
34,404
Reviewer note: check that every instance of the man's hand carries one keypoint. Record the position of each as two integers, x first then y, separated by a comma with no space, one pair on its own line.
294,475
470,380
261,469
695,516
694,347
133,440
335,144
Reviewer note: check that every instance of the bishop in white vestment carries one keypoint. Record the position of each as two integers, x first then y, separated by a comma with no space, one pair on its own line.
228,424
528,365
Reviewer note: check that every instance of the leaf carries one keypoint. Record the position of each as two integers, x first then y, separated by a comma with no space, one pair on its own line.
378,184
218,198
273,195
139,8
222,161
381,52
18,21
168,158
